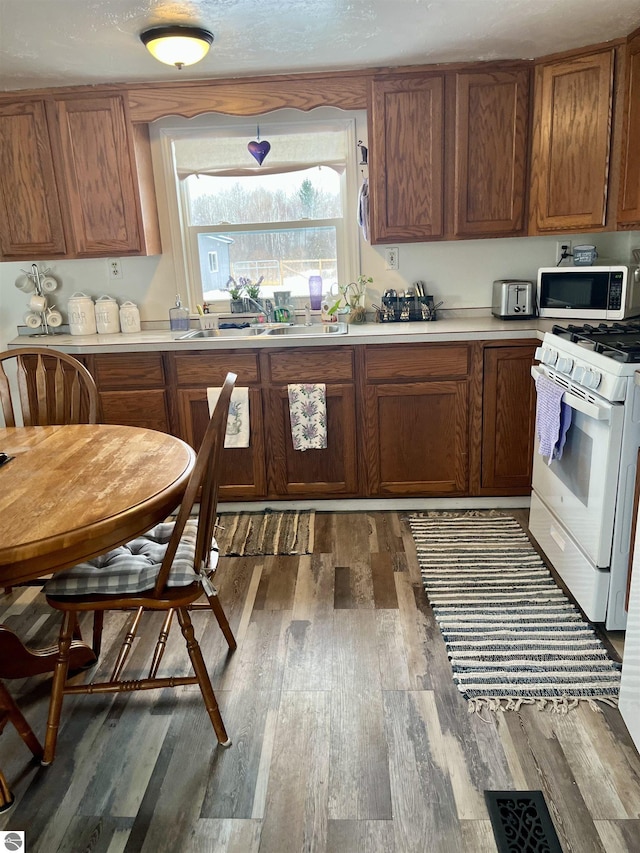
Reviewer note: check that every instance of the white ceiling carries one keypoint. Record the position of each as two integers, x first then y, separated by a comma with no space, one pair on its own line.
46,43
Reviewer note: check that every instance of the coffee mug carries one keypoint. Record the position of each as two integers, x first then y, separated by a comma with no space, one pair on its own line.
33,321
48,284
54,318
37,303
25,283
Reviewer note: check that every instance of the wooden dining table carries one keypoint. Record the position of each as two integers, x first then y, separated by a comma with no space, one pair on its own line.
70,493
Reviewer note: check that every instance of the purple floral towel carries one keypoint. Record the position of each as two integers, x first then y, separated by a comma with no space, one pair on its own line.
553,418
308,412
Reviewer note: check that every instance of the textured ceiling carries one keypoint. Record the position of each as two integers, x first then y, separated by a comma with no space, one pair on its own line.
47,43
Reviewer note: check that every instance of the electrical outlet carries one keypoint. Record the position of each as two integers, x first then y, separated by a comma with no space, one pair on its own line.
563,251
391,257
115,269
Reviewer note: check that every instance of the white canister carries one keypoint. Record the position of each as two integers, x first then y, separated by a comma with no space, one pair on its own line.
82,316
129,317
107,316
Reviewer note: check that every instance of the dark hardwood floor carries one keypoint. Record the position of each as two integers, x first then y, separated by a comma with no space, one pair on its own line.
349,734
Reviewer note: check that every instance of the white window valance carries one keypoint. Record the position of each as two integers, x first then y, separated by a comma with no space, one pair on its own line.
224,155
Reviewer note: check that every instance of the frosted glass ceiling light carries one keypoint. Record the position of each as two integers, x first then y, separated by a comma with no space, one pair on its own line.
177,45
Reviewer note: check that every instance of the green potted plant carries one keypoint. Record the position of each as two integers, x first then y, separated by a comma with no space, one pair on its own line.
252,291
352,296
235,290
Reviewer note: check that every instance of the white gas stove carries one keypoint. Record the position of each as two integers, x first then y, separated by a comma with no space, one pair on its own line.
582,503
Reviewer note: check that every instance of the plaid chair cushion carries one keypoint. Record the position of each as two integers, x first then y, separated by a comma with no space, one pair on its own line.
134,567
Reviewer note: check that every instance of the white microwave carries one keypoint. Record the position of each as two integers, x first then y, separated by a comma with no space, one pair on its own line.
589,293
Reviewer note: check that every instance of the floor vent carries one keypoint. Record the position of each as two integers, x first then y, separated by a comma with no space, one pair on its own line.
521,822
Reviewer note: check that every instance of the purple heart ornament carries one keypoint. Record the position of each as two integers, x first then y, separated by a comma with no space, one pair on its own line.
259,150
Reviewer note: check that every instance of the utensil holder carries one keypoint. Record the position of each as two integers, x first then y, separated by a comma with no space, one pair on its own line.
406,309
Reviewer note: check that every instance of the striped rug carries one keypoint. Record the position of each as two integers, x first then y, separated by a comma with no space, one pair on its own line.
511,633
248,534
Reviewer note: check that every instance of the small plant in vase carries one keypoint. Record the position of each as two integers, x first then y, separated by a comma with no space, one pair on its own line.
353,297
252,288
235,290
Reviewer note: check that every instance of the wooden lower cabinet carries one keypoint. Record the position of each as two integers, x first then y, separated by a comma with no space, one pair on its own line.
418,438
417,416
133,389
243,468
403,420
329,472
243,472
508,415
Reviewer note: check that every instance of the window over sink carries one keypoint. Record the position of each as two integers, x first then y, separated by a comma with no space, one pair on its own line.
282,221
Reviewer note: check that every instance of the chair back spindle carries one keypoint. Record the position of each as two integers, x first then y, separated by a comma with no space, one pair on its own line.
52,388
204,480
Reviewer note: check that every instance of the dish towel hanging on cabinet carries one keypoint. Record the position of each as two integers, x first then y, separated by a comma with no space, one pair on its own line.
238,426
553,418
363,208
308,414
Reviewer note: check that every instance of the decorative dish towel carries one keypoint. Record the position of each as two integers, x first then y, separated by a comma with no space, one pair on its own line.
553,418
308,413
238,427
363,208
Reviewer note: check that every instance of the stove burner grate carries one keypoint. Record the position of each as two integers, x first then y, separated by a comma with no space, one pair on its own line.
616,341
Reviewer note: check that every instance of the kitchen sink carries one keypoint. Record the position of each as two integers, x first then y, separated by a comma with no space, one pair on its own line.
249,332
294,331
315,330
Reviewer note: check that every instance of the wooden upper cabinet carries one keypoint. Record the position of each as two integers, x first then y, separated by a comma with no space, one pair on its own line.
30,214
76,180
571,143
406,138
98,168
490,143
629,196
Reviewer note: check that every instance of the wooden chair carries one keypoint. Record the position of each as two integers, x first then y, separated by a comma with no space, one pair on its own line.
165,570
52,388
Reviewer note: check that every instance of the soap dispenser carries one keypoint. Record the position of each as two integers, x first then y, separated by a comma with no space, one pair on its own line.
178,317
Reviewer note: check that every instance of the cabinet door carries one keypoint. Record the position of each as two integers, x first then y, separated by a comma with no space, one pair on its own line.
141,408
132,388
331,472
417,438
97,165
571,141
243,473
491,123
629,198
30,215
508,415
407,138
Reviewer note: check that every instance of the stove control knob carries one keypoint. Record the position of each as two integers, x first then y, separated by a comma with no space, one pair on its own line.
564,364
547,356
591,378
577,374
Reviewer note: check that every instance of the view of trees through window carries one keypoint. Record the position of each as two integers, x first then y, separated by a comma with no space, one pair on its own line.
280,226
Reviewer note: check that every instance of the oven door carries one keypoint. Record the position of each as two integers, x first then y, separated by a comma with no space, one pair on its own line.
580,488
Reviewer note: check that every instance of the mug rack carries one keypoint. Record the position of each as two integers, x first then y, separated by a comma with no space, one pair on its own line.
405,309
37,276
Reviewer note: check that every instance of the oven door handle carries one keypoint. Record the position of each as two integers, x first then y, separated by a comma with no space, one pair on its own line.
591,410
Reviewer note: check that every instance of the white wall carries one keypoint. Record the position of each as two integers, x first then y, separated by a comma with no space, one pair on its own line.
460,273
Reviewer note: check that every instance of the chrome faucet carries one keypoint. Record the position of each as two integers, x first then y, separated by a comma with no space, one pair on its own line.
267,310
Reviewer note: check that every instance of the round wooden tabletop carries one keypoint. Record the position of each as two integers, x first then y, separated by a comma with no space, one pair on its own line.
73,492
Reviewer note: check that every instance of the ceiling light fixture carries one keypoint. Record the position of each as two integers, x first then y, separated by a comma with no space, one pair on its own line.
177,45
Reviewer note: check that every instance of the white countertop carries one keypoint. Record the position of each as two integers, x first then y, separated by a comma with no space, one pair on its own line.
454,329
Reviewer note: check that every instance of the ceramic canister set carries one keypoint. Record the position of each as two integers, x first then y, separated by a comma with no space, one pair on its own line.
103,317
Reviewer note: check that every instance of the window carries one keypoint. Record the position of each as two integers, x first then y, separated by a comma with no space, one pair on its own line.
281,222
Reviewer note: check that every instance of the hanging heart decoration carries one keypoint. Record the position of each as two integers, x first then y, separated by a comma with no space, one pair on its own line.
259,150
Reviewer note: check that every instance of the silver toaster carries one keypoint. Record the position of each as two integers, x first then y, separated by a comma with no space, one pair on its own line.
513,298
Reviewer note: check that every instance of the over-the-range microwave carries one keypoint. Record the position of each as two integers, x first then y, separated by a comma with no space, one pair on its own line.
589,293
